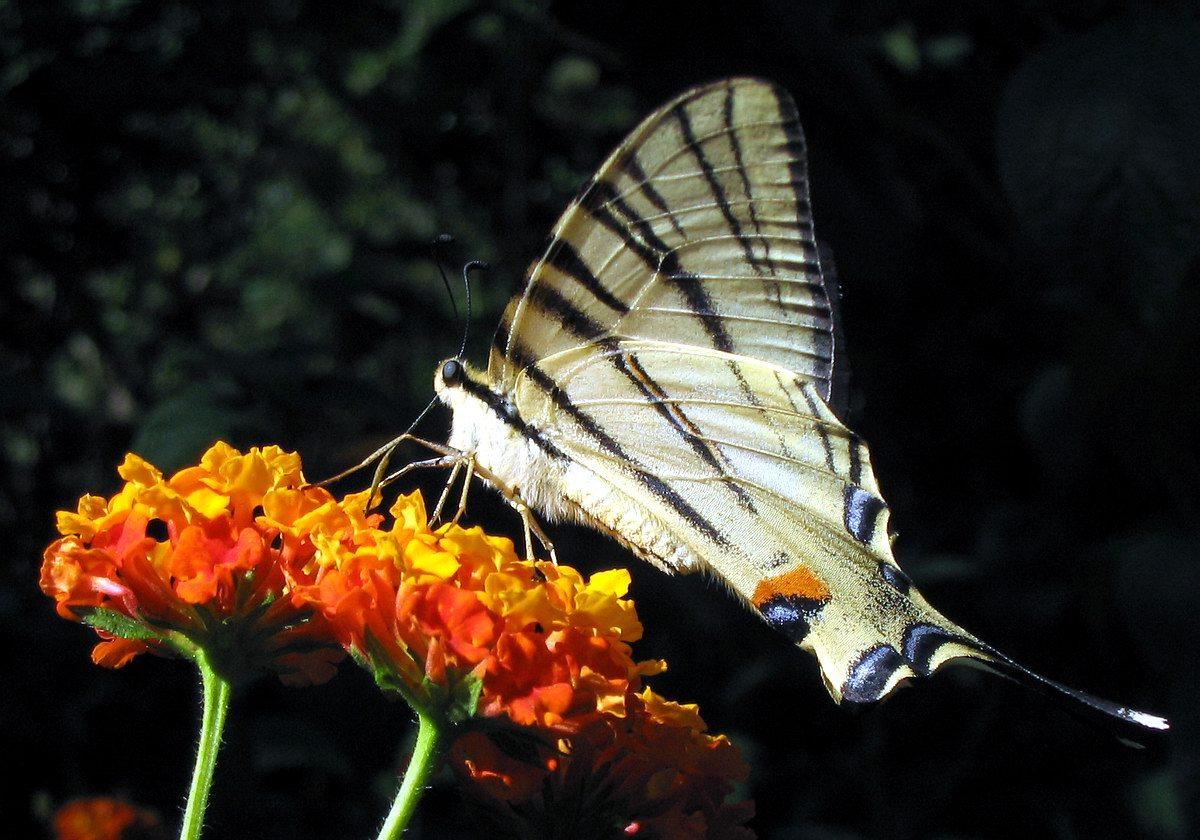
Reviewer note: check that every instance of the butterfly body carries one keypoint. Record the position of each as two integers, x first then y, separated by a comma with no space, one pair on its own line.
488,424
667,375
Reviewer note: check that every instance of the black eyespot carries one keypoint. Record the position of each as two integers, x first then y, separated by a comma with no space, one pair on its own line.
452,373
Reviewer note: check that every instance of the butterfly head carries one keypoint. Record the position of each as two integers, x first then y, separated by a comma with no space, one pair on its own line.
456,382
483,416
450,374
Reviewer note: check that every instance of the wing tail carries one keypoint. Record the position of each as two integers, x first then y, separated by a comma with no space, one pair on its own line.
867,646
1130,725
927,644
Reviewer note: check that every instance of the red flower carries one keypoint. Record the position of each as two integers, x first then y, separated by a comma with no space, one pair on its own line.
102,818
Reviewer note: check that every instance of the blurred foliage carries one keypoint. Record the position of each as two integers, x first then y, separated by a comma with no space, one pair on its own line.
215,222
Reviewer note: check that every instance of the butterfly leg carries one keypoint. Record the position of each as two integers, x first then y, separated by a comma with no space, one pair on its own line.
530,525
466,489
450,456
441,503
528,538
382,454
434,463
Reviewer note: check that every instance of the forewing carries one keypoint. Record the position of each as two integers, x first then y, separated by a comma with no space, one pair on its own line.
697,230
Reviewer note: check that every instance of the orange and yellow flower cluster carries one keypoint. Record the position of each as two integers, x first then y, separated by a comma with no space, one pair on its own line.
430,610
192,562
531,660
538,661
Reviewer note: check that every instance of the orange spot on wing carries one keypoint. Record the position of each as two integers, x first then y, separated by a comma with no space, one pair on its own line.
799,581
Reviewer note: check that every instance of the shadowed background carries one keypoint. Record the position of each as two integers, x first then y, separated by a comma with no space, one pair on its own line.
214,222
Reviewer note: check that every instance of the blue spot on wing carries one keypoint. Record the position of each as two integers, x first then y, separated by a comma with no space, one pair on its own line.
895,577
860,512
871,673
922,641
791,614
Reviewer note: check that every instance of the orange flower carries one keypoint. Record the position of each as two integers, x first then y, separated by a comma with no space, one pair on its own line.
175,565
535,663
101,818
457,622
652,772
240,559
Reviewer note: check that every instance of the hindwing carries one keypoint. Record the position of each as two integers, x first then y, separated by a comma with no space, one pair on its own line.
773,494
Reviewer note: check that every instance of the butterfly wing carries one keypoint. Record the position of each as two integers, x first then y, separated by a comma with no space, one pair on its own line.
697,234
676,342
774,495
697,230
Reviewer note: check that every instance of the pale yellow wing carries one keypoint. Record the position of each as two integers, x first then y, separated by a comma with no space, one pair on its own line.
675,344
697,230
774,495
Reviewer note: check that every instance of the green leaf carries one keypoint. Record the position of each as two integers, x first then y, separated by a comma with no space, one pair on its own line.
378,662
900,46
120,625
463,700
360,658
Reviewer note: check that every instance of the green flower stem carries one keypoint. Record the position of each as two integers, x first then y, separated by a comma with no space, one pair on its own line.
216,705
424,761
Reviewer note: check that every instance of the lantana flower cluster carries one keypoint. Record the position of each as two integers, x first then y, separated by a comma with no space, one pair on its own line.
526,664
651,772
455,613
540,659
190,564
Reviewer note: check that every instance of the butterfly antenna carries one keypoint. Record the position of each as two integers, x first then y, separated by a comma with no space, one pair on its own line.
440,243
466,276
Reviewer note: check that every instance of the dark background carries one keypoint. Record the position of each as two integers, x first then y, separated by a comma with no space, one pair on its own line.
214,222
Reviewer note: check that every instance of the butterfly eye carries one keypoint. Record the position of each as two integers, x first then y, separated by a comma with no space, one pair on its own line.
452,373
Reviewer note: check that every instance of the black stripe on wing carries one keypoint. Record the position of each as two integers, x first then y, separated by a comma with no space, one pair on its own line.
634,169
745,176
675,415
563,257
714,183
596,201
659,488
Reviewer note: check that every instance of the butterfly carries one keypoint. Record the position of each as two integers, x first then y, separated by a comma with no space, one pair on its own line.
667,375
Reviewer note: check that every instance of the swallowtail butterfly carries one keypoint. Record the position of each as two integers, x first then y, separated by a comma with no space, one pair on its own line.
666,375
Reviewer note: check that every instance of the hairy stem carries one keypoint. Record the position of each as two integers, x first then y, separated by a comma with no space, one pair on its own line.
216,705
424,761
